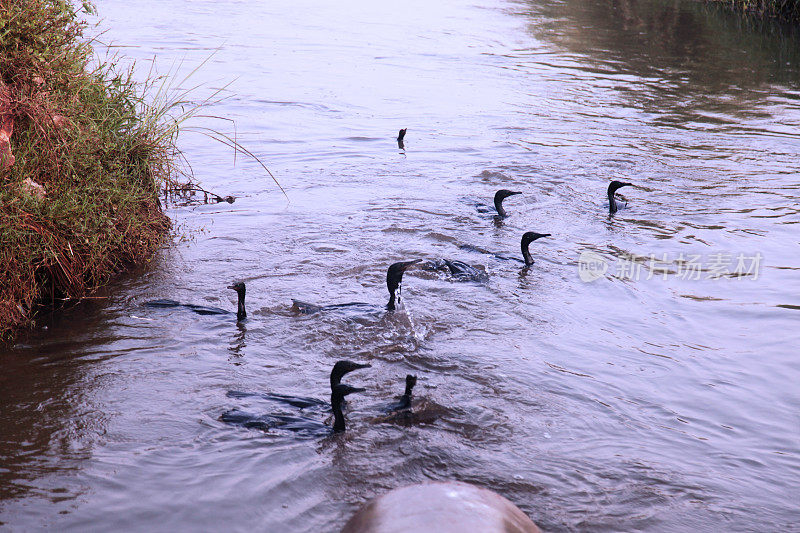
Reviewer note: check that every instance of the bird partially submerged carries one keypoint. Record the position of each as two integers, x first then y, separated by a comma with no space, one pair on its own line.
241,313
527,238
499,196
400,137
404,402
305,426
394,280
461,271
337,373
240,289
613,187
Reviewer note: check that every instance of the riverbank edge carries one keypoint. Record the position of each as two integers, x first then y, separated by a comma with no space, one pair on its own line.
83,158
780,10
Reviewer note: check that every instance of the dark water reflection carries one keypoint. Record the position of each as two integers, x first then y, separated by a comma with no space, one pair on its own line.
695,65
657,403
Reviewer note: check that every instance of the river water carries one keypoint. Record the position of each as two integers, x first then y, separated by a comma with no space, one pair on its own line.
646,399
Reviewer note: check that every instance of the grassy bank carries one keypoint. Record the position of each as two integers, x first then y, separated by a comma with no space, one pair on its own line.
784,10
81,168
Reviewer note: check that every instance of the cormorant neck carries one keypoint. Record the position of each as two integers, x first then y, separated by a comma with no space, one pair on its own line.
612,204
526,254
338,416
498,204
241,314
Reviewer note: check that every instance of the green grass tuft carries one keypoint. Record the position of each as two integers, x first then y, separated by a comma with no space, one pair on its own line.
87,134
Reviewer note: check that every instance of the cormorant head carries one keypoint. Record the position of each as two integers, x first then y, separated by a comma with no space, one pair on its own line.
394,276
338,392
343,367
614,185
527,238
238,287
341,390
502,194
499,196
530,236
410,382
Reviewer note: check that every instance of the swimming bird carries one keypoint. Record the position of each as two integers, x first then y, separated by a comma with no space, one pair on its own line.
527,238
299,424
400,137
241,313
240,289
499,196
461,271
613,207
405,400
394,279
337,373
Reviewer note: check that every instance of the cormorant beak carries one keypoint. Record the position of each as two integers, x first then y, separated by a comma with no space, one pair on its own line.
359,366
512,193
615,185
345,367
533,235
397,269
232,287
349,366
408,264
344,390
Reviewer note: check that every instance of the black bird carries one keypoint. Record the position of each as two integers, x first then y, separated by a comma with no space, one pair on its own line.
463,272
240,289
305,426
405,400
423,412
241,313
612,188
400,137
337,373
459,270
527,238
499,196
394,278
